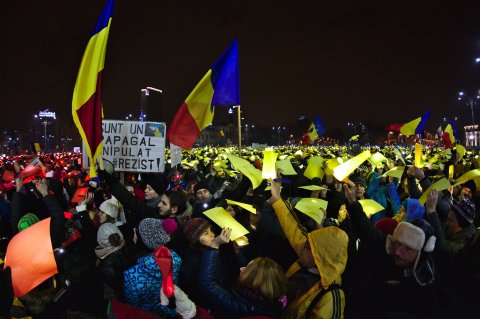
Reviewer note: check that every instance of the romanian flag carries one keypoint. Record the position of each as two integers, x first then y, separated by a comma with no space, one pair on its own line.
37,147
316,129
448,136
219,87
417,126
86,104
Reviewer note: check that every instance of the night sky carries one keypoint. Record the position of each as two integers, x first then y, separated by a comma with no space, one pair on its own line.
383,61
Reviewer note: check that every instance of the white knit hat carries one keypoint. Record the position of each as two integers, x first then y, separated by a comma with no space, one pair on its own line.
111,207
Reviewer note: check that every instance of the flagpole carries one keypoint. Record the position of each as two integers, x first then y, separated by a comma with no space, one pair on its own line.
239,128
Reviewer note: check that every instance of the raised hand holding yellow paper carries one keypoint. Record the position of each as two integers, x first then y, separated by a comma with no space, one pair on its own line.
370,207
313,188
345,169
248,207
398,155
247,169
440,185
461,150
223,219
269,159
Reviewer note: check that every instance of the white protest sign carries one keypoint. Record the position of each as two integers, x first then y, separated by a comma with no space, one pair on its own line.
133,146
175,154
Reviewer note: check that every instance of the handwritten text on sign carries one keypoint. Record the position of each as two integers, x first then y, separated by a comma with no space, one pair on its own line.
134,146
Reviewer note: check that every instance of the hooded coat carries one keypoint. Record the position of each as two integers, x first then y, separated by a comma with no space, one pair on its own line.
142,284
329,249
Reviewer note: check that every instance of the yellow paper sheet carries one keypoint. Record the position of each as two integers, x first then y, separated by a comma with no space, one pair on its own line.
247,169
370,207
342,171
314,168
398,155
248,207
377,158
286,167
313,207
397,172
30,256
331,164
223,219
451,172
313,188
461,150
440,185
268,168
467,176
418,155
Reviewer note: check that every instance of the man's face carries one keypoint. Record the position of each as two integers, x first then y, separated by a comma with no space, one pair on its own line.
404,255
164,206
451,224
360,191
150,193
466,193
203,195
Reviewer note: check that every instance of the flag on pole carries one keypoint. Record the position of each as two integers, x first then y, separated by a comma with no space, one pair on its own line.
316,129
448,136
219,87
87,95
417,126
439,132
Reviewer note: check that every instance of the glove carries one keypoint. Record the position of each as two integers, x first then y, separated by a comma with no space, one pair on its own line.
6,291
107,178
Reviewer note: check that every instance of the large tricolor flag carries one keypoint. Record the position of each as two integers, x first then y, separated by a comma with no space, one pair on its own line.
86,103
316,129
417,126
219,87
448,136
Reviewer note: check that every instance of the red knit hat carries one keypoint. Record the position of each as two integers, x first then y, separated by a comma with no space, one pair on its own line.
195,228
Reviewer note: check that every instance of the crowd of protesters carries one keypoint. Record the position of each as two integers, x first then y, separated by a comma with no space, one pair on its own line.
139,245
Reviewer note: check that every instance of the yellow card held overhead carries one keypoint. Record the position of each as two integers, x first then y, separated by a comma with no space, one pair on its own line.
342,171
398,155
467,176
269,159
377,158
370,207
440,185
397,172
313,188
248,207
313,207
286,167
451,172
418,155
461,150
244,166
223,219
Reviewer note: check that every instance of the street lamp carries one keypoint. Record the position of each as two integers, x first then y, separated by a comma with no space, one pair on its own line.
469,101
144,93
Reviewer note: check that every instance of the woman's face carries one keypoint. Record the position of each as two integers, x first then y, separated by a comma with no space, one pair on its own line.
231,211
150,193
102,217
207,238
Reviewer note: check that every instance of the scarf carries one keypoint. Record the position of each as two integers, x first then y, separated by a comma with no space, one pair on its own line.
103,252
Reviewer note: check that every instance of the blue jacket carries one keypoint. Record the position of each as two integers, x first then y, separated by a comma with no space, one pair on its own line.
142,284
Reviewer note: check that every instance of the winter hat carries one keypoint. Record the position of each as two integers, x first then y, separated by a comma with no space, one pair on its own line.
195,228
201,185
408,235
111,207
169,225
464,211
359,180
110,239
104,232
386,225
156,182
414,209
27,220
152,233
